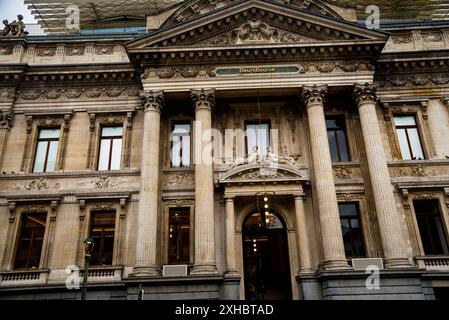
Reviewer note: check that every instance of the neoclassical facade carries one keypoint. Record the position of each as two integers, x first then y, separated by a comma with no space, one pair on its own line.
237,150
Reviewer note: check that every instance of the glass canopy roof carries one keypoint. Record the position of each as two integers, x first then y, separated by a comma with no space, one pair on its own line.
51,14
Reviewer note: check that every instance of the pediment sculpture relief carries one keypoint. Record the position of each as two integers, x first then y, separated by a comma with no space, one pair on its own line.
257,32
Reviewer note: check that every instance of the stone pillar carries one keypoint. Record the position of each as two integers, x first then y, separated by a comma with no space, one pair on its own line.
6,118
305,263
204,101
393,243
333,249
147,216
231,265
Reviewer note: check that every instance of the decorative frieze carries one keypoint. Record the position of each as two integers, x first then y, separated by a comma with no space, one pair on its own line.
343,66
79,93
415,80
104,50
46,51
6,50
7,93
75,50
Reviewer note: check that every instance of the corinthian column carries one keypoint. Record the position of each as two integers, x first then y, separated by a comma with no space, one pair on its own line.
146,247
204,101
333,249
389,224
6,118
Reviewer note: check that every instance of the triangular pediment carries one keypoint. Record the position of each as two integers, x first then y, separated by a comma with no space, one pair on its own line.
252,23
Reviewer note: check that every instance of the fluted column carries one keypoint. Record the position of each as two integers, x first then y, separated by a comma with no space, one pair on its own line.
305,263
231,264
333,249
389,222
146,245
6,118
204,101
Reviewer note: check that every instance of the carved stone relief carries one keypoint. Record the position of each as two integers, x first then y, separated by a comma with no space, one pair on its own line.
343,173
37,185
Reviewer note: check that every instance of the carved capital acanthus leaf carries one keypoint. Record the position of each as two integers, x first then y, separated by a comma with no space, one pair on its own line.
152,100
313,95
365,93
203,99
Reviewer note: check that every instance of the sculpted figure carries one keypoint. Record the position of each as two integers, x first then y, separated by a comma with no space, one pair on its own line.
6,29
15,28
19,30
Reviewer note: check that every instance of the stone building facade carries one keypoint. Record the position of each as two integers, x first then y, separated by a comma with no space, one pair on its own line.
359,134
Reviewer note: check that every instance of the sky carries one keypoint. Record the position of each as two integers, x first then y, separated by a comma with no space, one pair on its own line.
9,9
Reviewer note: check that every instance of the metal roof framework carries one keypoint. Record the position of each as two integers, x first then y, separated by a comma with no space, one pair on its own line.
52,15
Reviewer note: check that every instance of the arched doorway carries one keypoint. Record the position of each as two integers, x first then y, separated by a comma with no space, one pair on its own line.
266,259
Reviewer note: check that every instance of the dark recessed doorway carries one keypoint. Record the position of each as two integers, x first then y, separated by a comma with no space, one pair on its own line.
266,260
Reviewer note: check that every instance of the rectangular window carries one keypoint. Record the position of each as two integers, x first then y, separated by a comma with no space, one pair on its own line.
102,229
408,136
257,138
431,230
31,238
352,230
180,148
46,150
110,148
179,236
336,133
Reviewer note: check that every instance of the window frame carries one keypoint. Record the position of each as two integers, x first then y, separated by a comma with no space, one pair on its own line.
16,246
92,214
361,226
444,225
406,128
100,120
111,139
173,123
254,122
48,141
343,119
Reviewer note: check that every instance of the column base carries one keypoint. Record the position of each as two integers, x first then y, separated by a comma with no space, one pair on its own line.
341,264
204,270
304,271
398,263
150,271
231,274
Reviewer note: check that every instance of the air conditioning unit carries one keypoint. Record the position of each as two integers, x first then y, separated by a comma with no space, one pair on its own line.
364,263
179,270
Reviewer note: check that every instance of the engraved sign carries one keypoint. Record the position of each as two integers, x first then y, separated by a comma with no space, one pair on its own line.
255,70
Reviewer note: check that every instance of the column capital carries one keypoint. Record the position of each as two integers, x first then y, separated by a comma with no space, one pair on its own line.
364,93
152,100
314,95
229,198
203,99
6,118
